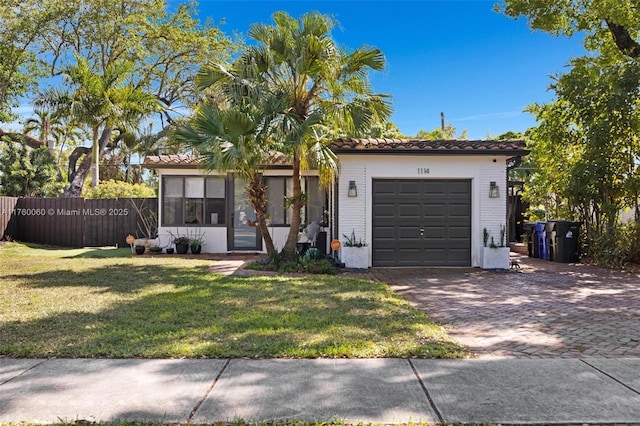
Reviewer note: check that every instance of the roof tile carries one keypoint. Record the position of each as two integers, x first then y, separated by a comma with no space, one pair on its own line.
348,144
510,147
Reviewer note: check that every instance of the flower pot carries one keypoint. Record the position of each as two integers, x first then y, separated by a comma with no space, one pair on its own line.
495,258
170,250
140,249
182,248
196,249
355,257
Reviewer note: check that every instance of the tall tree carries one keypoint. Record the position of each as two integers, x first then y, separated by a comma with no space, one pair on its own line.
45,124
22,24
609,24
239,139
101,102
327,90
586,145
165,49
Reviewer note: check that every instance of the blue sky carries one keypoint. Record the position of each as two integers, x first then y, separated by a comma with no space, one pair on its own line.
458,57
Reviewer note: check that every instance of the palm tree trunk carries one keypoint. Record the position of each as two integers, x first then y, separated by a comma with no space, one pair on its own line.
95,159
258,199
289,249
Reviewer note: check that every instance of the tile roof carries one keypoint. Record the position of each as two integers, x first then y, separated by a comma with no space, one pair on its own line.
373,146
184,160
474,147
171,160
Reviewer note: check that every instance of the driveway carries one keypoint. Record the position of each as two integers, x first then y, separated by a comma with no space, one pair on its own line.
543,310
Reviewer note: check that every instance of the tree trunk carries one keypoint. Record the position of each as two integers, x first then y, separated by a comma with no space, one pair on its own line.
289,249
258,198
95,159
78,175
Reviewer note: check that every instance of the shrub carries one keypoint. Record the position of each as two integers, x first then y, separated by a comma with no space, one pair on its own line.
264,264
617,247
320,266
311,263
118,189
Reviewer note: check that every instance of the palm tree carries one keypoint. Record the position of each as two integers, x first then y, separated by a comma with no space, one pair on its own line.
101,102
45,124
238,141
327,91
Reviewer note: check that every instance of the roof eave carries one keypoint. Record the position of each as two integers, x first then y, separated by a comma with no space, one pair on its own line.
505,152
196,167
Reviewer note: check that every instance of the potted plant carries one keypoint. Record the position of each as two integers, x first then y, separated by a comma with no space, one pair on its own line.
140,248
196,241
354,252
195,246
495,256
155,249
147,225
182,244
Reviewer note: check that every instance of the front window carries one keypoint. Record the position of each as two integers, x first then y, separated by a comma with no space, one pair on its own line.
193,201
196,200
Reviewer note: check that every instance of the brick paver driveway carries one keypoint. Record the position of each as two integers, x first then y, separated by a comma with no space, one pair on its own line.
544,310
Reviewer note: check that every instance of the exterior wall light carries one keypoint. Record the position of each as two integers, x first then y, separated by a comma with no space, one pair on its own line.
353,190
494,190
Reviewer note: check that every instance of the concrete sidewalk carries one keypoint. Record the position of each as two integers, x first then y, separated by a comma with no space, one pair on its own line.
590,390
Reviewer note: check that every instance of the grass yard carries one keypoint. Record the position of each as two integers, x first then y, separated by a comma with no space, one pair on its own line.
107,303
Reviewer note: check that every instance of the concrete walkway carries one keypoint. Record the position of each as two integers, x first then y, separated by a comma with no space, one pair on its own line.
369,390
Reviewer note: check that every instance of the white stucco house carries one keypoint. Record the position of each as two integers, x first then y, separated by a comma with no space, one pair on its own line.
413,202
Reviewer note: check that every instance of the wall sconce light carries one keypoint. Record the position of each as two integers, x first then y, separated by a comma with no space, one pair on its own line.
494,190
353,191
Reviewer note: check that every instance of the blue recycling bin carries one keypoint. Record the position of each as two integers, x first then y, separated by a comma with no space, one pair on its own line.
542,242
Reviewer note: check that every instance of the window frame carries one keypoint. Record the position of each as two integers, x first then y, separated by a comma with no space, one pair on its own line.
202,202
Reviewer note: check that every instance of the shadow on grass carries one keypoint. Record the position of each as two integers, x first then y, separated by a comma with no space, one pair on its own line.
32,249
102,253
156,311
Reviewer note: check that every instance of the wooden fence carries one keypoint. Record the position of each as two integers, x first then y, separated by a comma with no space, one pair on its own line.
74,222
8,222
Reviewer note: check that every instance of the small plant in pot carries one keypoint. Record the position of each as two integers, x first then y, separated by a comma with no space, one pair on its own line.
196,245
155,249
196,241
182,244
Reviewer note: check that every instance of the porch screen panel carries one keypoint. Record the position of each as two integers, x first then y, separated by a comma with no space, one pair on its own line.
215,201
194,200
275,194
172,201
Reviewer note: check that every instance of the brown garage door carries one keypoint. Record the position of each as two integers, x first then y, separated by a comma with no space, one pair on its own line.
421,222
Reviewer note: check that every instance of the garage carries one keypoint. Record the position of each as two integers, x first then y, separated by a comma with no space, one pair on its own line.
421,222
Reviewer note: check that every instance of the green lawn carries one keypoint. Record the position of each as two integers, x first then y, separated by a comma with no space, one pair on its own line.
107,303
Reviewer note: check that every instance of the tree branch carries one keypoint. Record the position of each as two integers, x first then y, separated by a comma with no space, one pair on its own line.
19,137
621,37
73,159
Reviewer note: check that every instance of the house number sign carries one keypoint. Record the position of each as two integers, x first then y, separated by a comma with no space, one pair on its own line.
423,170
